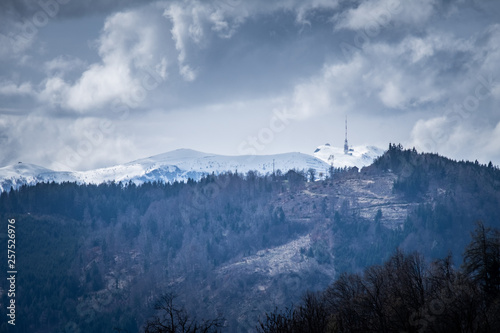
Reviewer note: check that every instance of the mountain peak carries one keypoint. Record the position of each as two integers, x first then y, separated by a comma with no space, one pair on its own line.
22,169
358,156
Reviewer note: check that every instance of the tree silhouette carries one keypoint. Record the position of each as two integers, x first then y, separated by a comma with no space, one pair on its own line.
174,319
482,259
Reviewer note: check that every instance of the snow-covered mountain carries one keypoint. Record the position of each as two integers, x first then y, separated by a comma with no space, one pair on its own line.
177,165
358,156
23,173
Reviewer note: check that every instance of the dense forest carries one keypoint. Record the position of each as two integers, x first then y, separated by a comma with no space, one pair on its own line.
98,258
406,294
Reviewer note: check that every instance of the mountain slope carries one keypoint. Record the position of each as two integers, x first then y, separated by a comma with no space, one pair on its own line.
24,173
177,165
358,156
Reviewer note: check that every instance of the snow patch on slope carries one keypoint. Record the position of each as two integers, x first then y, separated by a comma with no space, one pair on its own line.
281,259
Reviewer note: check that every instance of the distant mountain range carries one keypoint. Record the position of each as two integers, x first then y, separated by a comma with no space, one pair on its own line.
182,164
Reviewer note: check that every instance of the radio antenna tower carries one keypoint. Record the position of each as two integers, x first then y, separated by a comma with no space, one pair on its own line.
346,144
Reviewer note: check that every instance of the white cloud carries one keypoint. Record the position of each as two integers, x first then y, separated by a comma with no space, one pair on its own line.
492,145
54,91
63,64
310,99
414,64
332,90
420,48
490,55
458,139
468,127
392,96
303,8
180,32
372,15
220,25
193,24
63,144
30,139
91,142
99,85
17,39
10,88
134,39
187,73
129,46
380,78
416,74
432,134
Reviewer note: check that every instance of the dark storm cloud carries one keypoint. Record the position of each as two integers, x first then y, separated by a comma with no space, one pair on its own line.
208,74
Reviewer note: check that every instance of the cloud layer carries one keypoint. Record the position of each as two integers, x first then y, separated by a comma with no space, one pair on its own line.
222,69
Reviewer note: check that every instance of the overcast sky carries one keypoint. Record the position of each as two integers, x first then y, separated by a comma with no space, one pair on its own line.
86,84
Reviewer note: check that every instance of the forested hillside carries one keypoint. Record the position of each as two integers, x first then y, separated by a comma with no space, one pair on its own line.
91,258
406,294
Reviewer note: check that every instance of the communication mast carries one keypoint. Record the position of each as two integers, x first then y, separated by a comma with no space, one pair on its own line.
346,144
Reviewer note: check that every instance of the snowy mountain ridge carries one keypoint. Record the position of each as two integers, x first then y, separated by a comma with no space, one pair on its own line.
182,164
357,156
177,165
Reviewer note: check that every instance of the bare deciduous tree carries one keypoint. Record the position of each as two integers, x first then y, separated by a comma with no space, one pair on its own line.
174,319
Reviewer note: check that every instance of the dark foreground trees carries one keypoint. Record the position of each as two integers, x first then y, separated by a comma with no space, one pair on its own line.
310,316
171,318
406,295
482,260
